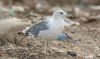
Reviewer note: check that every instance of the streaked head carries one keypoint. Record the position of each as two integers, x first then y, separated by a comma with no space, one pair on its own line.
59,13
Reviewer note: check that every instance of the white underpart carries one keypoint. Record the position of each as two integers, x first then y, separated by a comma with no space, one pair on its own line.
56,27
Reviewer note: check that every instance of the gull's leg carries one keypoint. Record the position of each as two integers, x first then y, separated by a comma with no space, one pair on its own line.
49,43
45,44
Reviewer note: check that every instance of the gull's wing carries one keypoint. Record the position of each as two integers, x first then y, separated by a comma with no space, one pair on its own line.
69,22
36,28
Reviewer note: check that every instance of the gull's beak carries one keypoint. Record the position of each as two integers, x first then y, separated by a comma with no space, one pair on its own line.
68,14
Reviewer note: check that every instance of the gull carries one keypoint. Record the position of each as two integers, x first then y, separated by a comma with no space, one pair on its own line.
50,27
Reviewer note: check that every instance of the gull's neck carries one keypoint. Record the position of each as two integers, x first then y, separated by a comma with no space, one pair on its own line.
57,17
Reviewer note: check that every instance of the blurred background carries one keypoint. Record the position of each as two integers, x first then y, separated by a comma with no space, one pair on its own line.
86,9
47,6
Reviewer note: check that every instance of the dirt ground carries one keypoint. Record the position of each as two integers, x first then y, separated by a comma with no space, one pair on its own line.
84,45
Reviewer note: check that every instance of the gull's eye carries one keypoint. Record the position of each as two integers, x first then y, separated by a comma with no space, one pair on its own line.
61,12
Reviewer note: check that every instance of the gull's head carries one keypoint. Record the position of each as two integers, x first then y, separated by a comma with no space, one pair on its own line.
59,13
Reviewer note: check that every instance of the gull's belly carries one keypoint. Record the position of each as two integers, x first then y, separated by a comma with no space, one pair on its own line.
54,30
50,33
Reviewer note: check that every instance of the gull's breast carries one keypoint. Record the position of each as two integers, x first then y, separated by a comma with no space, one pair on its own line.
55,28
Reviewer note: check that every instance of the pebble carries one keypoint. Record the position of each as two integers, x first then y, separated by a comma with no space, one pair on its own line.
72,53
98,55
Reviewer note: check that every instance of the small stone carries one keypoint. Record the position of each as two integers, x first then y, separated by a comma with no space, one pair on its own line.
72,53
89,56
98,55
